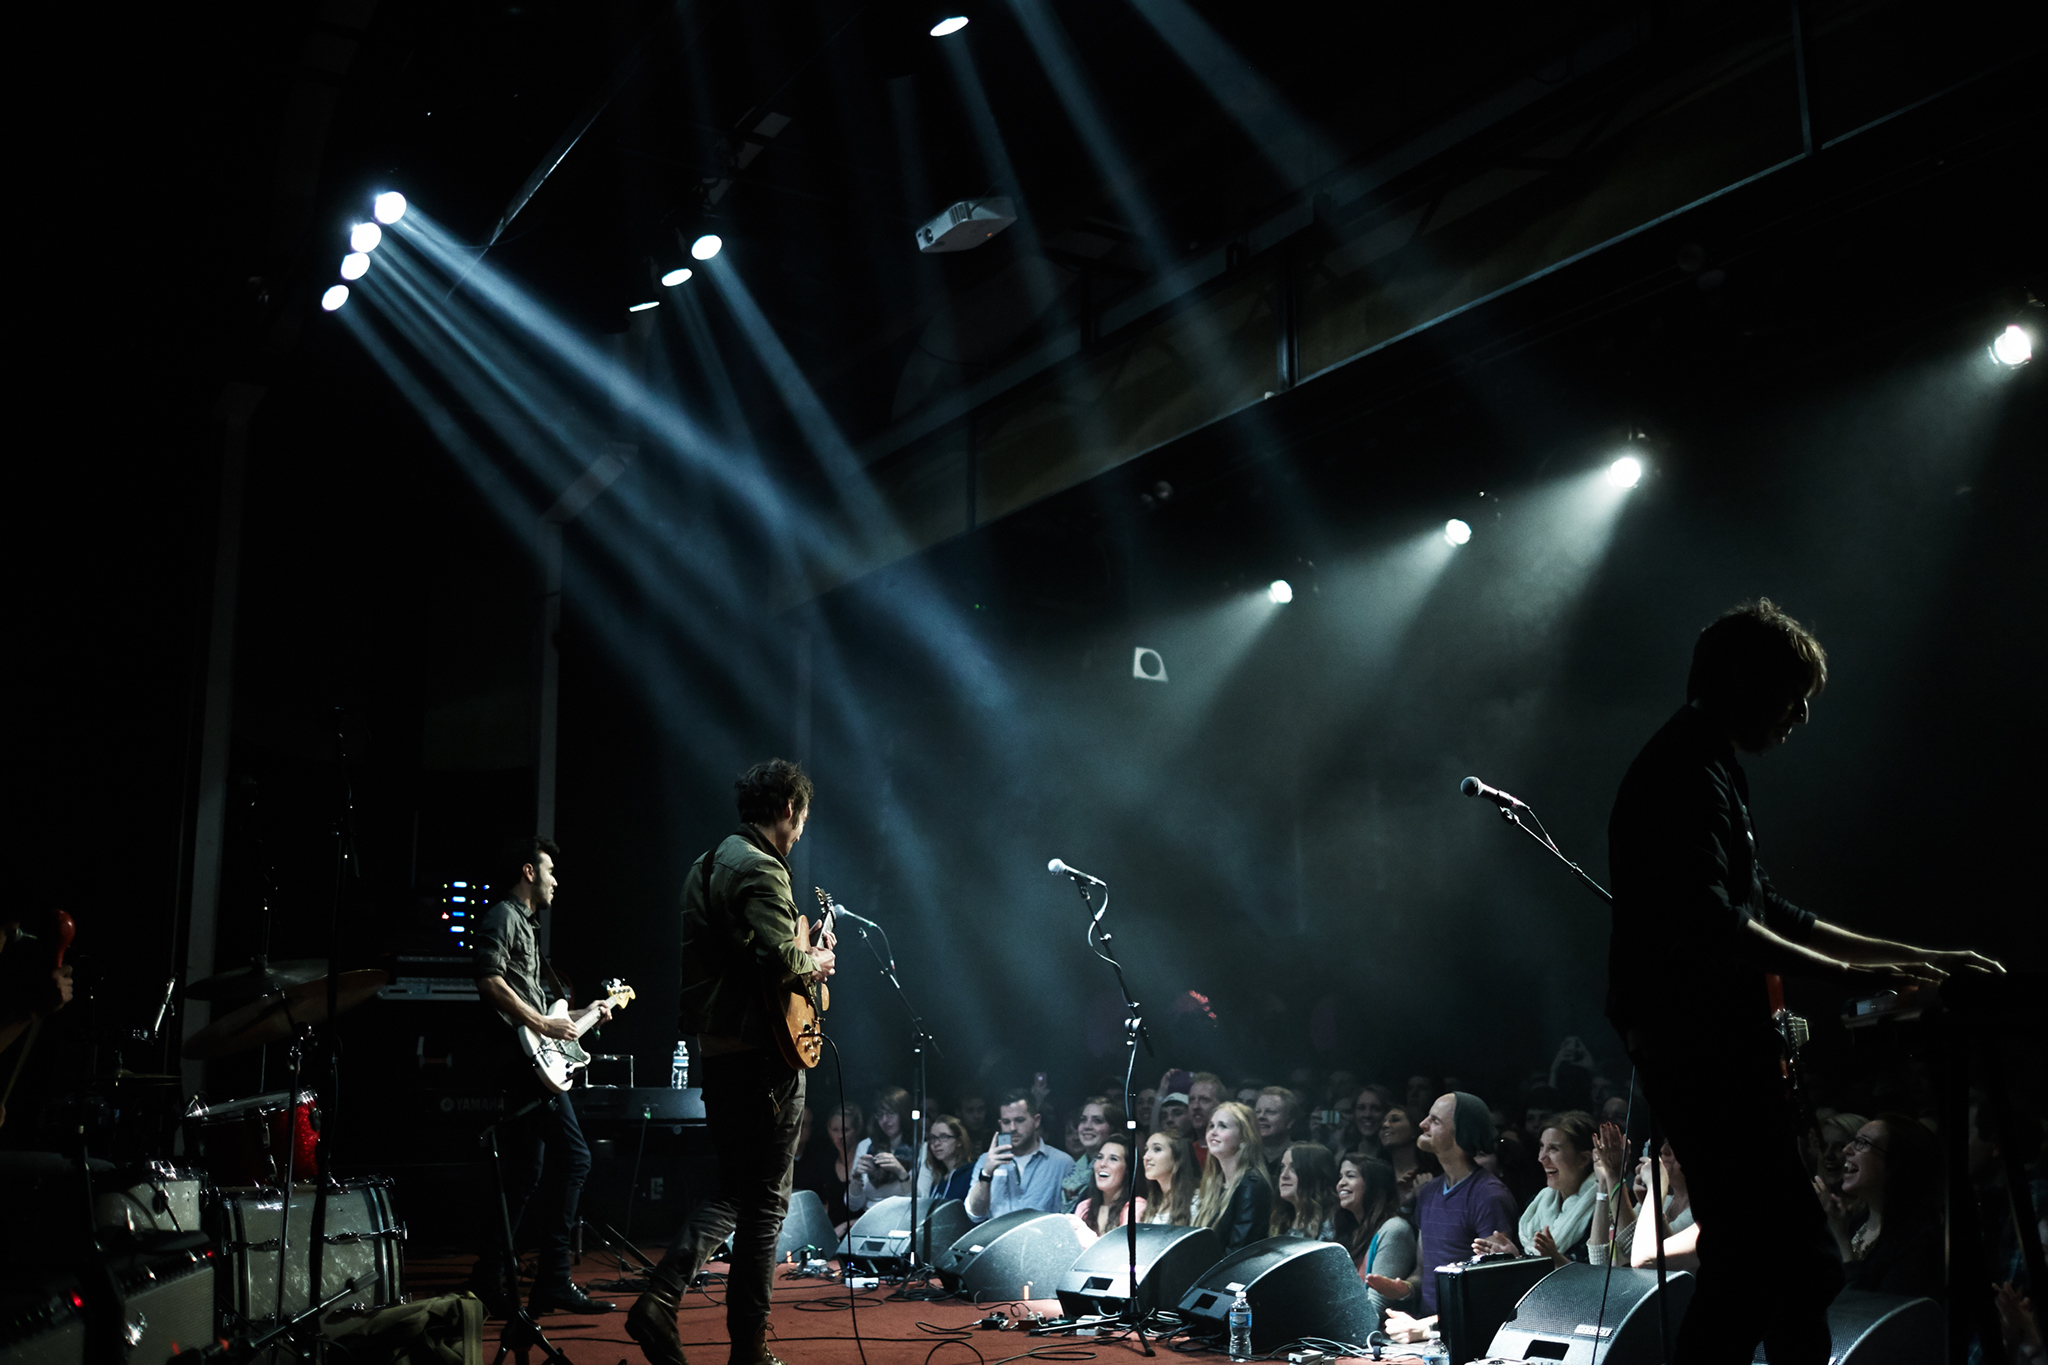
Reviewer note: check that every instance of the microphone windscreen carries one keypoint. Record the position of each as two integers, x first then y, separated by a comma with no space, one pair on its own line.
1055,866
1471,786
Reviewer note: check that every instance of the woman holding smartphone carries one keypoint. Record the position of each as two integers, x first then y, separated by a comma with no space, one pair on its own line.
881,1163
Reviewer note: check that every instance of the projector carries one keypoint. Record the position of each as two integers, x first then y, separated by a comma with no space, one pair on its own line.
967,224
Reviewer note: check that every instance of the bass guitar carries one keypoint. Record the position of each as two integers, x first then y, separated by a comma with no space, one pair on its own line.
801,1007
557,1060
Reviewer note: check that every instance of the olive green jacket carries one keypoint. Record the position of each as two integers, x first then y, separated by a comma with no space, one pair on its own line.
738,941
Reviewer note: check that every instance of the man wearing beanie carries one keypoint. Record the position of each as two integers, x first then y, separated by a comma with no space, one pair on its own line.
1466,1204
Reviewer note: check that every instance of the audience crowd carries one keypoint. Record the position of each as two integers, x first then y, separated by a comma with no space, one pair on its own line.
1410,1178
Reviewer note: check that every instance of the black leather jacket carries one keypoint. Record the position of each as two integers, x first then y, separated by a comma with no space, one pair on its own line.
1249,1213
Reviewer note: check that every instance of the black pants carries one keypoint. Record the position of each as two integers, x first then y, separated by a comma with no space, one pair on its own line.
546,1162
1768,1268
754,1103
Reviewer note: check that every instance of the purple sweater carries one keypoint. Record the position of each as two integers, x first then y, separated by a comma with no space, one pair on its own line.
1449,1221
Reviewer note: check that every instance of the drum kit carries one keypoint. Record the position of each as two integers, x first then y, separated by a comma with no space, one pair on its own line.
246,1219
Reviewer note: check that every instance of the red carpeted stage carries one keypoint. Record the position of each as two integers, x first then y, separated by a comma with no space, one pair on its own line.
813,1323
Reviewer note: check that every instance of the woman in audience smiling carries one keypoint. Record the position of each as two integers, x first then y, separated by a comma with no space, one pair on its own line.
1099,1118
1892,1168
1306,1205
1371,1228
1237,1196
1171,1173
1109,1201
1557,1220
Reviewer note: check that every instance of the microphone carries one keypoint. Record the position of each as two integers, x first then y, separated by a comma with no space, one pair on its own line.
845,913
1472,786
170,988
1057,868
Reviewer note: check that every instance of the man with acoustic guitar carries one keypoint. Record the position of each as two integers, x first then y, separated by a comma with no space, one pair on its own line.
548,1140
746,953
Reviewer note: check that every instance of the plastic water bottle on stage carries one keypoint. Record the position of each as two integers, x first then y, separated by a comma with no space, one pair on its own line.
679,1066
1240,1327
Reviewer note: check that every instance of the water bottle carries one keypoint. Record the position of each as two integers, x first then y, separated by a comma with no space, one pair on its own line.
1240,1327
679,1066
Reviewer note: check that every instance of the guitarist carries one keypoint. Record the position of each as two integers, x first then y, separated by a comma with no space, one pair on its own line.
513,979
743,951
1697,923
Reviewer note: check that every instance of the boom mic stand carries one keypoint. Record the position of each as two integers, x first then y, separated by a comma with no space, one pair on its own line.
1512,811
521,1331
919,1268
1100,943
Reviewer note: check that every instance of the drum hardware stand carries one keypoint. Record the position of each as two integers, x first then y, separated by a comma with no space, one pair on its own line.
287,1327
1100,942
918,1269
521,1332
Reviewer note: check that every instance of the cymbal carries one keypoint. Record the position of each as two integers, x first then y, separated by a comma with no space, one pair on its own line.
275,1016
256,980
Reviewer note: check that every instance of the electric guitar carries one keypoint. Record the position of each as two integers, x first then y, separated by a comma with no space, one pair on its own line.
557,1060
801,1007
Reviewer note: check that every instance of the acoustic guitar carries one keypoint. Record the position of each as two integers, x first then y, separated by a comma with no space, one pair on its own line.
801,1007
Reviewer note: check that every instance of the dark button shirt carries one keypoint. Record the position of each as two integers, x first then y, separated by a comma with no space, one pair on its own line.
1682,859
506,946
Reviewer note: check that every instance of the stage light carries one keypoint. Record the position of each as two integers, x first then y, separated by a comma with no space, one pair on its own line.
1625,472
2013,347
675,277
950,25
1457,532
1281,591
334,297
365,236
354,265
643,307
705,247
389,207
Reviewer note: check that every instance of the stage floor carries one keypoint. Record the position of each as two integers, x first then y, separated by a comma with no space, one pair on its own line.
812,1323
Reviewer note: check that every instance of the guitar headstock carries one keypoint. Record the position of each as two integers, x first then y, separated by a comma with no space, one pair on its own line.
826,905
618,994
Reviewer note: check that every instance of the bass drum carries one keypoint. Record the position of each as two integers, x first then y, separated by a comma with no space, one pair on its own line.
358,1239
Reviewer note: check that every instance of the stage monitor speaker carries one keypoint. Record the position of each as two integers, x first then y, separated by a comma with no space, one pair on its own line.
1473,1298
1169,1260
805,1225
1561,1318
1883,1329
881,1239
1021,1255
1297,1288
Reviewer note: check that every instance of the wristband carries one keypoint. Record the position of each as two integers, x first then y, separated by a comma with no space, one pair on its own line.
986,1176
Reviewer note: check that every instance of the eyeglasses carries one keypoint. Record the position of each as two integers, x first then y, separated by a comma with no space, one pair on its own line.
1860,1143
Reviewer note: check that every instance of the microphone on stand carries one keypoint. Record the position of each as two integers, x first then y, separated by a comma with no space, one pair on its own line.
1058,868
170,988
1472,786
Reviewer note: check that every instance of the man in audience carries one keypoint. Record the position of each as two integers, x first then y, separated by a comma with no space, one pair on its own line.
1205,1092
1170,1114
1421,1093
1466,1204
1274,1111
1017,1171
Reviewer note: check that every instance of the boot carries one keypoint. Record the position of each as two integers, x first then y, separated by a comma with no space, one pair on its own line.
651,1322
751,1348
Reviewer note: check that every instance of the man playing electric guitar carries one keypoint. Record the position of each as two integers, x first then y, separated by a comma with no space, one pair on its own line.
744,950
547,1141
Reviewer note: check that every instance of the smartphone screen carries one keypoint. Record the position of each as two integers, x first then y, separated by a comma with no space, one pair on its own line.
1002,1139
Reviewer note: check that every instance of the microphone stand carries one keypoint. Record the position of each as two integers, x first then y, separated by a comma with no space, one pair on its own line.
1513,815
1100,943
918,1265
